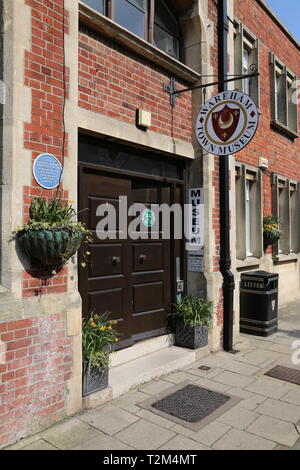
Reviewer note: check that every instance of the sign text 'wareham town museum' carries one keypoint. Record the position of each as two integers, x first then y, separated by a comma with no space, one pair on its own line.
101,100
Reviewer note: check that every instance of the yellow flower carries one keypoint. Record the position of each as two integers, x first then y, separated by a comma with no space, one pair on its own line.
94,325
109,328
116,340
83,265
71,201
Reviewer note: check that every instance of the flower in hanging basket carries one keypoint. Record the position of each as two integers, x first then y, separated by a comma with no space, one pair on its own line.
271,230
52,235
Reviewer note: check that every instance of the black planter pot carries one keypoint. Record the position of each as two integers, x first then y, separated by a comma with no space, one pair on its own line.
93,379
191,337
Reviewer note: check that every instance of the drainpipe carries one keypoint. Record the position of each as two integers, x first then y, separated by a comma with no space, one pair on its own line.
225,258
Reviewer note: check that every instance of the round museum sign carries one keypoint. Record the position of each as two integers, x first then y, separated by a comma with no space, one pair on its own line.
227,123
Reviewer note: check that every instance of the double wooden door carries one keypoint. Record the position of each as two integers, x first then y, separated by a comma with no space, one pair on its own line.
129,278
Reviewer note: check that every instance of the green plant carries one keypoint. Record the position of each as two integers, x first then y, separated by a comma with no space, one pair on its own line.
271,230
193,311
98,337
55,212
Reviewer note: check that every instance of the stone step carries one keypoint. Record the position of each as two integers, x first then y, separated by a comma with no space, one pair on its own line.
141,349
131,374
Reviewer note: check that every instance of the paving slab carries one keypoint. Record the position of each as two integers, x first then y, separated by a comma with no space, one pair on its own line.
207,435
131,401
24,442
40,445
279,409
209,374
154,388
229,364
268,387
274,429
155,418
241,440
103,442
211,384
180,376
183,443
144,435
252,402
109,419
239,392
234,380
281,348
238,418
293,396
259,356
69,434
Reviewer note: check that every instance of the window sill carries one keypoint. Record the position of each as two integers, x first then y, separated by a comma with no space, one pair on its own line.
282,258
121,35
240,264
285,130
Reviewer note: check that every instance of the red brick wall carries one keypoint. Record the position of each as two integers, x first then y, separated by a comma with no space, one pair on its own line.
32,380
282,152
48,81
38,358
116,82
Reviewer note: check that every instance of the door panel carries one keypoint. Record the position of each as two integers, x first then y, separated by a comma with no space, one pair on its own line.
130,279
147,297
106,260
105,284
151,268
147,256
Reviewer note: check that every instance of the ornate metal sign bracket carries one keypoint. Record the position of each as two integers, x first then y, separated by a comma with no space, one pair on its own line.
174,93
171,89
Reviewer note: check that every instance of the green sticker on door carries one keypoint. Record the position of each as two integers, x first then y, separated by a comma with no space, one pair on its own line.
148,218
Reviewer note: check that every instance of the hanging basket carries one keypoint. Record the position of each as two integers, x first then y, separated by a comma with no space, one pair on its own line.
271,237
49,249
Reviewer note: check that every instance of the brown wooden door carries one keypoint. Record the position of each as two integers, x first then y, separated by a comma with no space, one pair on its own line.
151,292
129,278
104,284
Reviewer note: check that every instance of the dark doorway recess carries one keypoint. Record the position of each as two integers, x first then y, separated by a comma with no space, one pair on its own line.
133,279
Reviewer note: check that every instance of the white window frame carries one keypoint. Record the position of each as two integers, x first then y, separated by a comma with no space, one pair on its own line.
245,40
286,206
248,188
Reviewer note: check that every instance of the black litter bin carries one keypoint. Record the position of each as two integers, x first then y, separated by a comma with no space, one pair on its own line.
259,303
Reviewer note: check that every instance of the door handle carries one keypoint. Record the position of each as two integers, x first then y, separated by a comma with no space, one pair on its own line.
143,258
116,260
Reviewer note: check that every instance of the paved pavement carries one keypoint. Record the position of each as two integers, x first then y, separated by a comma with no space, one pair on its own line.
266,417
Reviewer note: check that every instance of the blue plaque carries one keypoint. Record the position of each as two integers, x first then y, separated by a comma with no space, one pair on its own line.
47,171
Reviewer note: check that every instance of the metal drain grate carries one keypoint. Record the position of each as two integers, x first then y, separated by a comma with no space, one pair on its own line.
285,373
191,403
206,368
